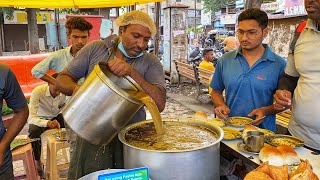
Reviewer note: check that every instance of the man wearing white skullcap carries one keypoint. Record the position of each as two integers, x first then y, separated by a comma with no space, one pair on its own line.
126,56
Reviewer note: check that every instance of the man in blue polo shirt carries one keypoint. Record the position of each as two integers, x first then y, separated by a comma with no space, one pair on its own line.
249,75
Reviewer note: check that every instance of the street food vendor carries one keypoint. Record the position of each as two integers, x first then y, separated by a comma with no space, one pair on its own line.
249,75
126,56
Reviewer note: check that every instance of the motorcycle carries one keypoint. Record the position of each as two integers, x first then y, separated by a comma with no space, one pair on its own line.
196,56
208,43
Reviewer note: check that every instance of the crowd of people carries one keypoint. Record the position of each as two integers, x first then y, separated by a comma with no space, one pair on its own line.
257,82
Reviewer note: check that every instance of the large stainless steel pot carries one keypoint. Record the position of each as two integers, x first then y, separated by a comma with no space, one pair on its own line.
202,163
101,108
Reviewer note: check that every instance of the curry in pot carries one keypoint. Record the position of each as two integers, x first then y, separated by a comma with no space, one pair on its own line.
177,136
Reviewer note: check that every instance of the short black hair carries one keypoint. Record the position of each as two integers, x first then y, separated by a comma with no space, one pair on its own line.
78,23
255,14
205,51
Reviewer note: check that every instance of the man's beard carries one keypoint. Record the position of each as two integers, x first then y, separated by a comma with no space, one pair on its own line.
314,17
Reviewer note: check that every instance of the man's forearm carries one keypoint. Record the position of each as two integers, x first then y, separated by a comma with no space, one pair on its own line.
217,98
66,84
48,79
158,94
270,110
19,119
35,120
288,83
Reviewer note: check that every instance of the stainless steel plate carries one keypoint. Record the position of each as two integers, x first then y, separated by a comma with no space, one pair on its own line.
238,121
280,139
242,147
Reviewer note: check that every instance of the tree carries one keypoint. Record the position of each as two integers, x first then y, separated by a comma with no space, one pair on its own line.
213,6
9,12
33,31
253,4
105,12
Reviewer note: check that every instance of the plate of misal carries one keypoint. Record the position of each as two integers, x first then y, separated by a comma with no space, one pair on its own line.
231,134
266,131
280,139
238,121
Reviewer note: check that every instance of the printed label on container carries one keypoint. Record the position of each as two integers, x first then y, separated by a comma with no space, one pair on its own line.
132,174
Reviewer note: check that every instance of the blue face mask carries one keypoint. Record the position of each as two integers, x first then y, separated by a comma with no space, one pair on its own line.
121,48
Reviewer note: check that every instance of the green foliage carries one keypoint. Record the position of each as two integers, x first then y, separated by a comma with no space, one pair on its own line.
9,11
213,6
69,10
198,30
6,110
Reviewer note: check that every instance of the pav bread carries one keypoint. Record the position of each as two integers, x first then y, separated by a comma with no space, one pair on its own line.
289,155
247,129
279,156
272,155
200,116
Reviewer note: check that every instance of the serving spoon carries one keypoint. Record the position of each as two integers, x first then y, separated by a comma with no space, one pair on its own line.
225,119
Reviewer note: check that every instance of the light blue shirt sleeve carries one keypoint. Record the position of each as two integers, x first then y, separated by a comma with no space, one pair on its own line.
42,67
55,61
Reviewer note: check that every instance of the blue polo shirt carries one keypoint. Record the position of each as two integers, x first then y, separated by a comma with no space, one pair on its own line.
249,88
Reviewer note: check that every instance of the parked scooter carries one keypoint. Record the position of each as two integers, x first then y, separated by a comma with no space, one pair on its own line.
216,56
195,56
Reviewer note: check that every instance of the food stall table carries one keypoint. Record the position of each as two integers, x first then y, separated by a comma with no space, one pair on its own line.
230,146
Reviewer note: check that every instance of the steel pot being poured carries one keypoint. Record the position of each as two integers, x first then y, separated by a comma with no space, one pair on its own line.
101,107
